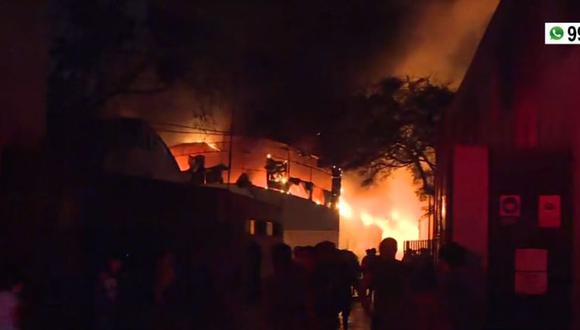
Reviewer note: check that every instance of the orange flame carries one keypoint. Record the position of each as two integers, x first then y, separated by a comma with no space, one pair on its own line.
389,209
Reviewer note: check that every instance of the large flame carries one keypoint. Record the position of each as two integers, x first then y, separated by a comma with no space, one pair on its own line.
390,208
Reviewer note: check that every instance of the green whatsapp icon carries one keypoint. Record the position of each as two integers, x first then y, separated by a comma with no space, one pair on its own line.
556,33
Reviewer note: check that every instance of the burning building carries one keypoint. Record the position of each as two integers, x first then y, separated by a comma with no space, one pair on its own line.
274,173
508,177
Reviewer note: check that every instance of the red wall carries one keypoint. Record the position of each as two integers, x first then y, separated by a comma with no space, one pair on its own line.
470,198
518,94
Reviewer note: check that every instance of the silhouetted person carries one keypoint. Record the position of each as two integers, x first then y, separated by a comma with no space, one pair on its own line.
108,295
165,278
305,257
326,285
203,293
253,271
197,169
298,252
285,292
244,181
367,264
389,280
165,292
428,313
10,304
348,275
368,260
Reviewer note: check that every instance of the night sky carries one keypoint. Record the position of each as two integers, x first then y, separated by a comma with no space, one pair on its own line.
284,68
294,63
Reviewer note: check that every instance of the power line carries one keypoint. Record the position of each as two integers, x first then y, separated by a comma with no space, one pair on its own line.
197,128
186,132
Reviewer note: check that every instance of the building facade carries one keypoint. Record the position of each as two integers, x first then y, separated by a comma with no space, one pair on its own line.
273,173
508,178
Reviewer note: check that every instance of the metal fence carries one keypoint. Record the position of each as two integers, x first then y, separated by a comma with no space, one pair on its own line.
420,247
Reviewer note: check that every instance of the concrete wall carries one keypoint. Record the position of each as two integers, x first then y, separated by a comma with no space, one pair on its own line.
303,222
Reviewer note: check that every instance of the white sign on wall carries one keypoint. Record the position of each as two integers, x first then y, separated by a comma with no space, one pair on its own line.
531,275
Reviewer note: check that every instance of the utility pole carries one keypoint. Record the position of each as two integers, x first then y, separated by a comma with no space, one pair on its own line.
230,149
232,120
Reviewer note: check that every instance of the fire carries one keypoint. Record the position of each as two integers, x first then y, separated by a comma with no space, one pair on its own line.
344,209
389,209
368,220
212,145
395,215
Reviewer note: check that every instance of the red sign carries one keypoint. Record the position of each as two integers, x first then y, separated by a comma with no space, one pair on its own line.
549,211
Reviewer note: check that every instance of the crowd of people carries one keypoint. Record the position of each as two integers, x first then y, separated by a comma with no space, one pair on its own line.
309,288
316,288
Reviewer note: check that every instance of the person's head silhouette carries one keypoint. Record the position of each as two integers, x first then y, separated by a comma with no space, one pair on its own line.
388,248
281,257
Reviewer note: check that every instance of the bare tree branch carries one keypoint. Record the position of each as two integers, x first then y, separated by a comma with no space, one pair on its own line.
397,129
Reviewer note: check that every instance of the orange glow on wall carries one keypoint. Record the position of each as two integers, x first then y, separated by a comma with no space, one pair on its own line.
249,156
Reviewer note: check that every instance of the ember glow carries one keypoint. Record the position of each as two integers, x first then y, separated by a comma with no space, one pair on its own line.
388,209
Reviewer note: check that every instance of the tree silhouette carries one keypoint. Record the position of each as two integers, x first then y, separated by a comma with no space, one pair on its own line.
102,49
392,125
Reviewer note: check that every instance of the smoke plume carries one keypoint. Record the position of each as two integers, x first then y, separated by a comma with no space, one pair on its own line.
440,41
